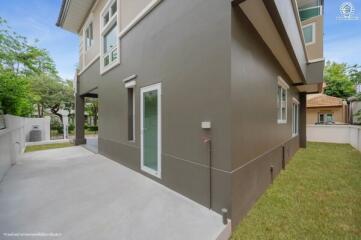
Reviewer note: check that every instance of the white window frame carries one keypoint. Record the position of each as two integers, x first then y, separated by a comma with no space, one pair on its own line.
325,117
104,29
313,24
158,88
88,24
282,104
295,117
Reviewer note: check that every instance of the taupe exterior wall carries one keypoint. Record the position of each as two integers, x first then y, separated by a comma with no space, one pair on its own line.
195,88
128,10
213,66
87,56
257,138
315,50
90,79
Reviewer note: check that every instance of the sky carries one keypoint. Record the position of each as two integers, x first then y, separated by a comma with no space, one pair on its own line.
35,19
342,39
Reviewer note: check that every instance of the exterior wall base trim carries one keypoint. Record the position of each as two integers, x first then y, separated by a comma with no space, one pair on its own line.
253,179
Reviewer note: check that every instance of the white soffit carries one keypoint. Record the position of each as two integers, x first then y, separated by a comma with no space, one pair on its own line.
76,14
256,12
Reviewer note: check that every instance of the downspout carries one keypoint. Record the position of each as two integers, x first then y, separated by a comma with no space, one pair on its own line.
210,165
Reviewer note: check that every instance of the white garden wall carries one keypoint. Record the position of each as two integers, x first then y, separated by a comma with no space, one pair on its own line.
12,142
28,124
335,134
14,136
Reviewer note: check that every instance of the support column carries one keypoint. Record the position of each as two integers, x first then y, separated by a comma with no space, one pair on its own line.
79,120
302,127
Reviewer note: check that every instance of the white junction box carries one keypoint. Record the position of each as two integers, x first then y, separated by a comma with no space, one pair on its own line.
206,125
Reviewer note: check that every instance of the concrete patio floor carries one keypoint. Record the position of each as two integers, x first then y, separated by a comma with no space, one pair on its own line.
82,195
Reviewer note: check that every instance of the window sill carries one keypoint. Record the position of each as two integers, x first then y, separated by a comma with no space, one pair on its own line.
106,69
294,135
282,121
310,43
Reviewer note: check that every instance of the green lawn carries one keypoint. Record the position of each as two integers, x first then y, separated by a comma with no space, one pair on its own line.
317,197
47,146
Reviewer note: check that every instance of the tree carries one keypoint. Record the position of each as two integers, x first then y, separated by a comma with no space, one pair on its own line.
17,55
51,93
355,74
28,77
338,83
91,107
15,94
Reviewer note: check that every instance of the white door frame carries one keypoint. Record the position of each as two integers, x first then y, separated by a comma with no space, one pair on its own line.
144,168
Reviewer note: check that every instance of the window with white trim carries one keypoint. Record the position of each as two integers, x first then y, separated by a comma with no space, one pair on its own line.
325,118
295,117
282,101
109,36
89,36
309,33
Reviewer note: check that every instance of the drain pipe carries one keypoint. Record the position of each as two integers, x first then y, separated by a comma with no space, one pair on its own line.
210,164
206,125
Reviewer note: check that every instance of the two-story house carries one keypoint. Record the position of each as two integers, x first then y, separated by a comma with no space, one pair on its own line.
207,97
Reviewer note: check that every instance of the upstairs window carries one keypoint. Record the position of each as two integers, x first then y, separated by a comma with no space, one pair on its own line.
106,18
89,36
282,101
109,33
110,46
113,9
309,32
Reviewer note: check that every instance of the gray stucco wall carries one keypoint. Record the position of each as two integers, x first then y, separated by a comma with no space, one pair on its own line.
89,80
257,138
188,51
212,66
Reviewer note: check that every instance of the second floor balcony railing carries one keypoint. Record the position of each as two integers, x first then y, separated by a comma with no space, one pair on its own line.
306,13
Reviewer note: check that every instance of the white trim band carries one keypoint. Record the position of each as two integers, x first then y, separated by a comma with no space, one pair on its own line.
89,64
139,17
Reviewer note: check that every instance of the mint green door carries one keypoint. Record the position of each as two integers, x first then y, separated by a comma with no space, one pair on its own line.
150,120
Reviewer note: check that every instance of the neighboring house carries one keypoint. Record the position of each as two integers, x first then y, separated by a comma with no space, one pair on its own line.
324,109
169,75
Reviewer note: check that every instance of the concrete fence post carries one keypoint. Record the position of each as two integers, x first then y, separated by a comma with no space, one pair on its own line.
47,128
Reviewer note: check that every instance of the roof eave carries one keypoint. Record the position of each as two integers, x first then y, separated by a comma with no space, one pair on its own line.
324,106
73,13
62,13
